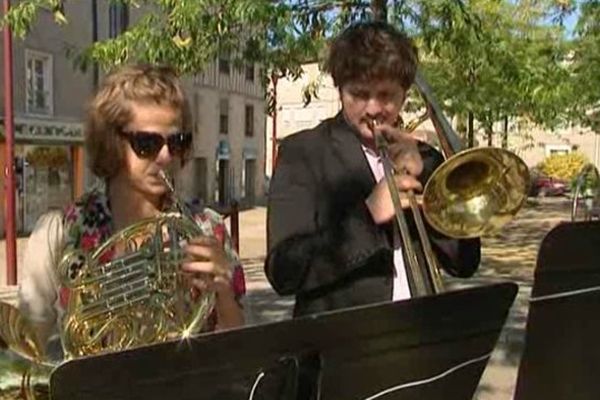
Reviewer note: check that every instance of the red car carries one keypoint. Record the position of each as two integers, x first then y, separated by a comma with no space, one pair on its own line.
542,185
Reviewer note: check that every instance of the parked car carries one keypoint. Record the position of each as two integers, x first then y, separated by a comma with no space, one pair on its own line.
543,185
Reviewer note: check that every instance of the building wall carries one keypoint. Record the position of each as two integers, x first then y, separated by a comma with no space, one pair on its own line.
71,88
59,127
535,144
292,114
206,91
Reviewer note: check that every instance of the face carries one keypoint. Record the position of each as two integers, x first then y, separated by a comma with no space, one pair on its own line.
362,102
153,142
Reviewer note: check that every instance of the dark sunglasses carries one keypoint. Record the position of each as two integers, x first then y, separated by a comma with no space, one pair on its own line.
149,144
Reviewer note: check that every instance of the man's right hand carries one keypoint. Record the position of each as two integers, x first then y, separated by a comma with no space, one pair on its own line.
380,202
402,149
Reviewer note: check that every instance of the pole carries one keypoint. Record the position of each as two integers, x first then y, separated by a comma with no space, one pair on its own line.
9,172
274,130
597,149
235,226
95,72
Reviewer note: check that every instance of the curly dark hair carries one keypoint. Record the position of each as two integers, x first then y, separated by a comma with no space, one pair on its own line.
368,51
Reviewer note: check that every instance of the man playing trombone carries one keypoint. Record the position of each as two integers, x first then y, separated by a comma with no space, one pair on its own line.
332,239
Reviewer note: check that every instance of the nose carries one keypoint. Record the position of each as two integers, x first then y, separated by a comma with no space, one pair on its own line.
164,156
374,108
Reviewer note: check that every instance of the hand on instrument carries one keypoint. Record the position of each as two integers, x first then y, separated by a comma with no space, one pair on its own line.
210,269
380,202
402,149
208,265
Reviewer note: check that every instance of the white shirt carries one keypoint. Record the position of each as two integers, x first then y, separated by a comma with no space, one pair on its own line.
401,290
38,288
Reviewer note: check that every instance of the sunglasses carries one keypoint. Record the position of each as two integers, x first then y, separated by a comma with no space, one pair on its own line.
149,144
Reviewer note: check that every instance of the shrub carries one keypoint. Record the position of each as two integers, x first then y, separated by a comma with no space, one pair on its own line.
563,166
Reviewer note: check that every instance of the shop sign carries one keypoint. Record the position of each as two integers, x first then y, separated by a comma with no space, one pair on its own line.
45,131
223,150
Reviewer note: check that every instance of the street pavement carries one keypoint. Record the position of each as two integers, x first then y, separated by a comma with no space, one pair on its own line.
507,256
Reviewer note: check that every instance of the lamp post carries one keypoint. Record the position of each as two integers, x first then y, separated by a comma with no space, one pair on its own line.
9,171
274,130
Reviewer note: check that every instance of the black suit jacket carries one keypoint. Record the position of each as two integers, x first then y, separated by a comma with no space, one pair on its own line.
323,245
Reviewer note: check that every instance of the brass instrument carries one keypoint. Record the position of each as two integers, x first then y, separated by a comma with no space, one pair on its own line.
473,193
138,298
128,292
30,361
587,188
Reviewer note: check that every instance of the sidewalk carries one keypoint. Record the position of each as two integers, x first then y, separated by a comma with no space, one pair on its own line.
509,255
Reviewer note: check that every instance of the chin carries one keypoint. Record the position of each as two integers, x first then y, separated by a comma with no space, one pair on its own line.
160,190
154,190
366,136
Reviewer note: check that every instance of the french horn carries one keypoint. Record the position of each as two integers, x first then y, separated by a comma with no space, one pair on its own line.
129,292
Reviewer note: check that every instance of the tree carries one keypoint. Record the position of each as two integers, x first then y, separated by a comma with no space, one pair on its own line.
508,65
585,64
187,34
482,61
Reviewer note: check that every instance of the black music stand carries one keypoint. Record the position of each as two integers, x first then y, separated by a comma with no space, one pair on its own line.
561,358
351,354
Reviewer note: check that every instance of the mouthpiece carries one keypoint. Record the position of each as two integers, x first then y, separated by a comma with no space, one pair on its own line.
167,180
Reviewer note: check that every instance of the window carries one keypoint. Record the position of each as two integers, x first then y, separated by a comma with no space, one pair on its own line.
250,72
118,19
557,149
224,117
223,182
39,82
201,180
248,177
224,63
249,125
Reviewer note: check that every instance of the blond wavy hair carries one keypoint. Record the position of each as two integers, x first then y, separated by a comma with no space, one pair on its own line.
111,110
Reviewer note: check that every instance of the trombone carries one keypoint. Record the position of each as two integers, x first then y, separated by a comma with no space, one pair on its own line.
473,193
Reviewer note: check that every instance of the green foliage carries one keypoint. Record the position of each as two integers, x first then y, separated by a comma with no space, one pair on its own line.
493,59
590,183
508,64
563,166
585,63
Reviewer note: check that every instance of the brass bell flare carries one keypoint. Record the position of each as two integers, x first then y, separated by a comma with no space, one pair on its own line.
18,334
475,192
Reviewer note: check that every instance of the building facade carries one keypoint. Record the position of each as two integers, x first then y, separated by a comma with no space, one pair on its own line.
292,114
50,96
530,142
228,108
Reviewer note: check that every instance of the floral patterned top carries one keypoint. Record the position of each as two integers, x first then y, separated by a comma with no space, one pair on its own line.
88,223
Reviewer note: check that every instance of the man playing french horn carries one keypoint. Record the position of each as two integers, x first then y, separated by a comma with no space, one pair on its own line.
331,240
138,129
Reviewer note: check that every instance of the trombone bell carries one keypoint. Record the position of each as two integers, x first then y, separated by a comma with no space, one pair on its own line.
475,192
